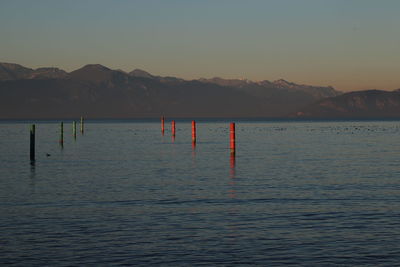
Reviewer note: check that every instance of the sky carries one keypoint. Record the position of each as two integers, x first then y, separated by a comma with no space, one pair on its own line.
348,44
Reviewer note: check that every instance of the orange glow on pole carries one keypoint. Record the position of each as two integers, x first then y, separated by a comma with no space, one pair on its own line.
194,132
173,128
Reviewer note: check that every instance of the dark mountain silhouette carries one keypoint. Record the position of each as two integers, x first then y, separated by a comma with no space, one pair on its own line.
11,71
140,73
267,88
96,91
97,73
361,104
280,96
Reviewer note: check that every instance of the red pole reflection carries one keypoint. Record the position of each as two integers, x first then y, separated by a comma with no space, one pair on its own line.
233,163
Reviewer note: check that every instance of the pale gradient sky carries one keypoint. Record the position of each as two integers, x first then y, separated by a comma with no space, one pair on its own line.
349,44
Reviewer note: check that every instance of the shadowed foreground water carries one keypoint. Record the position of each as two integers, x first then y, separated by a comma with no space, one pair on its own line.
299,193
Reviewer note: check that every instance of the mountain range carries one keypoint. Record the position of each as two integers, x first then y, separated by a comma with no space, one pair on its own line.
361,104
95,91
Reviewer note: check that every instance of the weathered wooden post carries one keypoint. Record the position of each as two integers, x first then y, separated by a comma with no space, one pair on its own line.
82,129
32,142
232,138
61,133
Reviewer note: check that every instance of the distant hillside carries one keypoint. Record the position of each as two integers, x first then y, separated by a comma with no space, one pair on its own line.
362,104
266,88
10,71
140,73
96,91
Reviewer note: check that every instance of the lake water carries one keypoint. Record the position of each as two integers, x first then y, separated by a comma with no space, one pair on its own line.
296,193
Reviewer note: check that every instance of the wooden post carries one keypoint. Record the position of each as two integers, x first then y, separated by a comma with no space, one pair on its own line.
74,129
194,132
162,125
32,142
232,138
82,129
173,128
61,133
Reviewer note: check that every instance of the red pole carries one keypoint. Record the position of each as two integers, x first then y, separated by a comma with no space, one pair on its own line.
194,132
232,138
173,128
162,124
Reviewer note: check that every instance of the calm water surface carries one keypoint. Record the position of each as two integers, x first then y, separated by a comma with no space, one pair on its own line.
297,193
